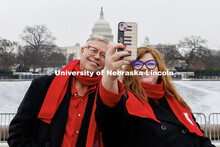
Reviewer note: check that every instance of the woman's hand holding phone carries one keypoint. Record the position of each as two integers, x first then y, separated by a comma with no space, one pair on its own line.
113,63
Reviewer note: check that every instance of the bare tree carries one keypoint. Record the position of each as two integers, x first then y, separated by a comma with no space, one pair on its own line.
212,59
146,41
71,57
56,60
170,54
7,54
24,56
40,42
193,49
45,54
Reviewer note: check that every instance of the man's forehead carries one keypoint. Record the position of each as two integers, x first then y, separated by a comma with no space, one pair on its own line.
98,42
101,45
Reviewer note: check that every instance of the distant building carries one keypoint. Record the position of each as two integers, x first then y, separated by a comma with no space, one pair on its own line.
61,50
101,28
74,50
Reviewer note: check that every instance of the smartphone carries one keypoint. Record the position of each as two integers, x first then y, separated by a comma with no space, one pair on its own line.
127,34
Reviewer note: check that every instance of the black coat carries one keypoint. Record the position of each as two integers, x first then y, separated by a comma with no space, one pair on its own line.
120,129
26,130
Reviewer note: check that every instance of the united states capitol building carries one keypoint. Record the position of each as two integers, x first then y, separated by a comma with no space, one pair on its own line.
101,28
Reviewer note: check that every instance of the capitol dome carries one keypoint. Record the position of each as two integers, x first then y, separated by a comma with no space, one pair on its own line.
102,28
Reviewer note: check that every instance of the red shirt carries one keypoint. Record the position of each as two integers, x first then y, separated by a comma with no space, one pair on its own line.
75,115
77,109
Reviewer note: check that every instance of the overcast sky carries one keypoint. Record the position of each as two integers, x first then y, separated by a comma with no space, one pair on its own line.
71,21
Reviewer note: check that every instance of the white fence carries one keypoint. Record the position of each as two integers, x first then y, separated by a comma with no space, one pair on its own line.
210,126
5,119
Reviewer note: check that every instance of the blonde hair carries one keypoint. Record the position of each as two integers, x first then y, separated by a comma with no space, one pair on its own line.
133,83
96,37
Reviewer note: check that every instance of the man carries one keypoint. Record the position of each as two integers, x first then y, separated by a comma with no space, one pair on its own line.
59,110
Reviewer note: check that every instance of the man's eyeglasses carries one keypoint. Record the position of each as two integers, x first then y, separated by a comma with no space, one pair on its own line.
94,51
150,64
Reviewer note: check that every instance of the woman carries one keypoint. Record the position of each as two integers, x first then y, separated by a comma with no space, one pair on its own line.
147,111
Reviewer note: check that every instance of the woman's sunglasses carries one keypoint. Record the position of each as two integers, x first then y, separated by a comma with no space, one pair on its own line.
150,64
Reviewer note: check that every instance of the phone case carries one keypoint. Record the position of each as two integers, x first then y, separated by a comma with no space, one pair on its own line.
127,34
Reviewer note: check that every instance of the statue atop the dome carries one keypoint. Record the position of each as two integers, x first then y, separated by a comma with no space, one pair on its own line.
101,14
102,10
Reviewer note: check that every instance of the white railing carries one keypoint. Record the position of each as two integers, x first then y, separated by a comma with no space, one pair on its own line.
5,119
210,126
214,126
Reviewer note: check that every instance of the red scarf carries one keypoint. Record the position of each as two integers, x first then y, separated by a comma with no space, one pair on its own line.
56,92
155,92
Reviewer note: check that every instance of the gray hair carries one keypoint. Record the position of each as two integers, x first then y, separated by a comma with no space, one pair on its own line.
96,37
